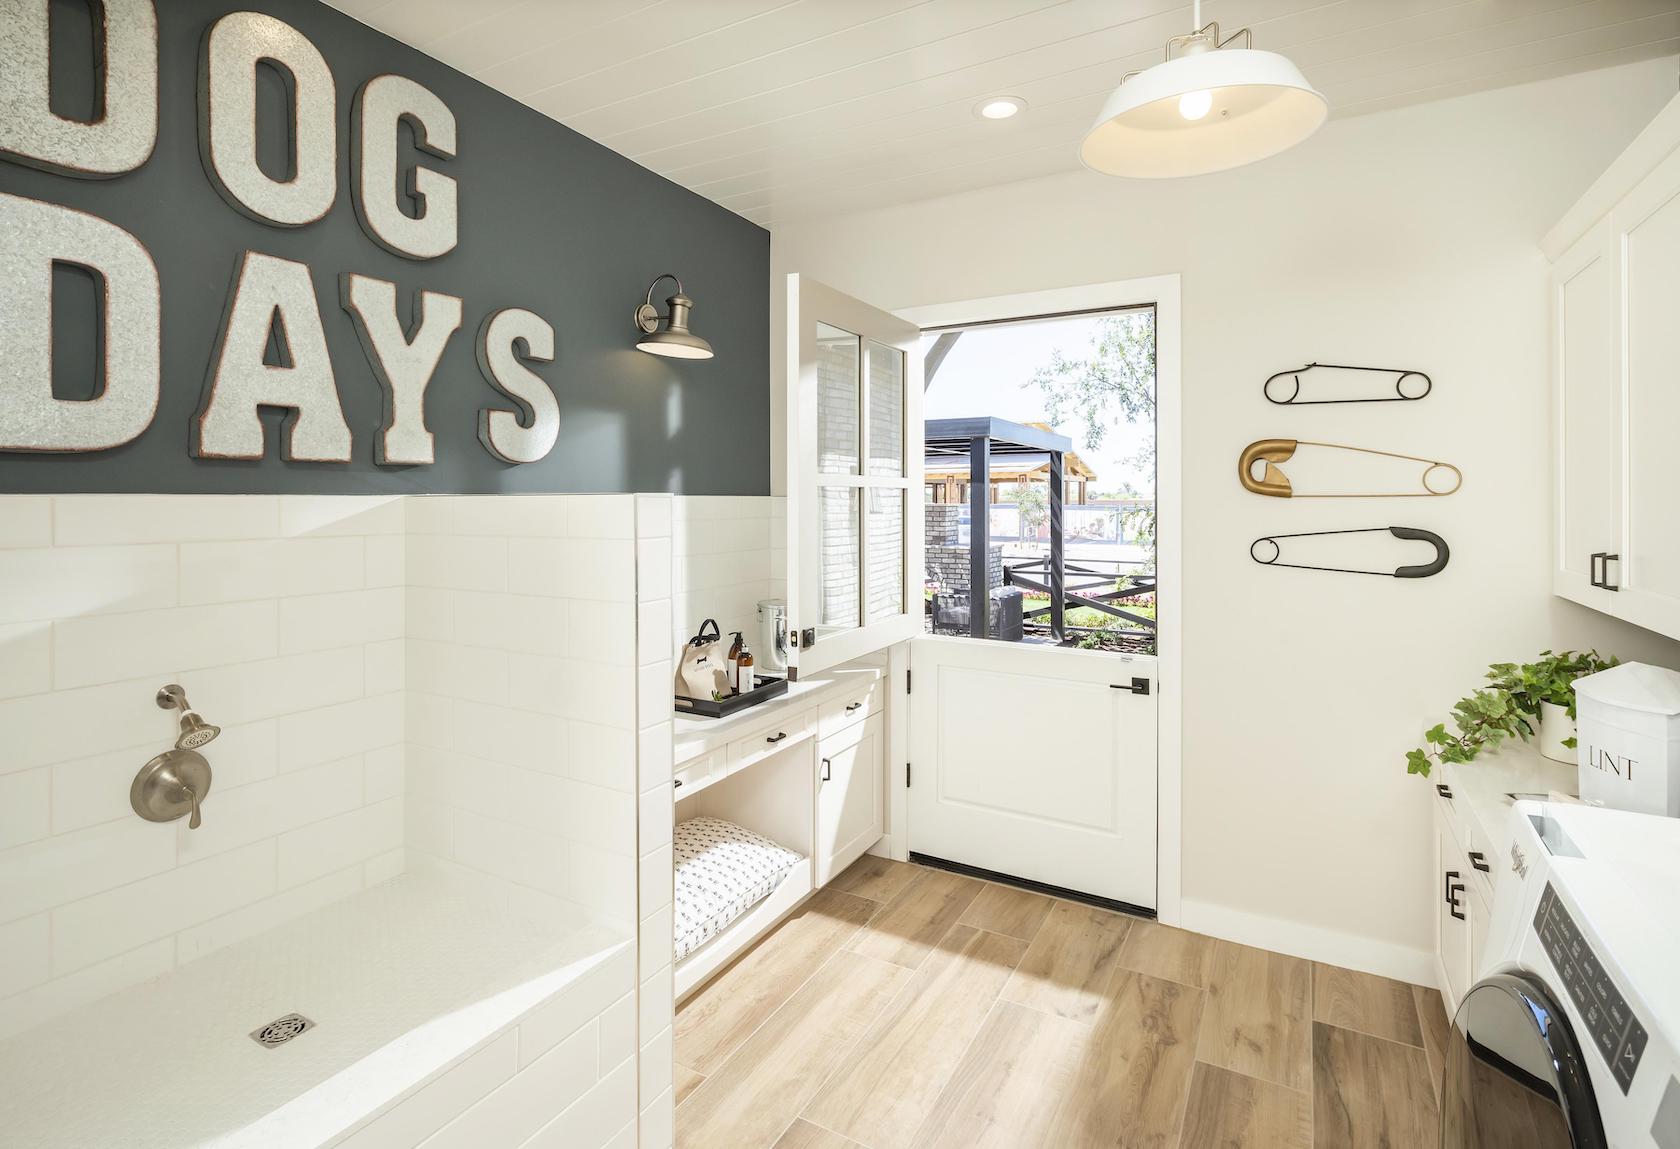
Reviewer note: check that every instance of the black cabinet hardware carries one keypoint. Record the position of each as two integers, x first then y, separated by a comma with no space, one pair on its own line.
1478,860
828,774
1444,790
776,737
1453,890
1599,571
854,706
676,784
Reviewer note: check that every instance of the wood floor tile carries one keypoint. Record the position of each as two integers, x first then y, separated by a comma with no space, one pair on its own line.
1069,963
1432,1019
714,1022
905,930
1162,951
1503,1116
755,1096
1007,910
804,1135
1229,1109
1134,1074
1258,1017
1370,1093
892,1078
878,879
1001,1094
1379,1006
685,1082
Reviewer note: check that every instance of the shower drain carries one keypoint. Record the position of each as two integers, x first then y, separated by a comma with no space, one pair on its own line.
281,1030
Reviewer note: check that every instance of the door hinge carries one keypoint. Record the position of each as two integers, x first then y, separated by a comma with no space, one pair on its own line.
907,775
1138,686
907,674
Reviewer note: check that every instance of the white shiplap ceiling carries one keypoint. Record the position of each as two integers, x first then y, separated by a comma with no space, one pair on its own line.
791,109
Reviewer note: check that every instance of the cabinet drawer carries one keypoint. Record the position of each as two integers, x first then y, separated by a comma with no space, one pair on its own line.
698,773
792,729
859,702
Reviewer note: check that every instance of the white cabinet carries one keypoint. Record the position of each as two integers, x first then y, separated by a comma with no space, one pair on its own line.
1452,916
851,794
1616,386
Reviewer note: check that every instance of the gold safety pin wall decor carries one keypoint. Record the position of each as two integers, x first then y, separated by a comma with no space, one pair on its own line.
1276,484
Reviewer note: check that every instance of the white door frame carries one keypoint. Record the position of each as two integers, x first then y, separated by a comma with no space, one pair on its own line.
1163,292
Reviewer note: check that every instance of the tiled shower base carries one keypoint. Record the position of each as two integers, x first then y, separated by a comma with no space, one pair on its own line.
401,981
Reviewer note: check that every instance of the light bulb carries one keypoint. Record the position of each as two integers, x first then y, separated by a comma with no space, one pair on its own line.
1195,105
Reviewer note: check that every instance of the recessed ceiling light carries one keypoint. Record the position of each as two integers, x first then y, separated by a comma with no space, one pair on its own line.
999,107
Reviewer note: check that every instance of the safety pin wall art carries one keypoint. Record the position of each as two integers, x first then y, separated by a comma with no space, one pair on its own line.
1285,387
1436,479
1274,550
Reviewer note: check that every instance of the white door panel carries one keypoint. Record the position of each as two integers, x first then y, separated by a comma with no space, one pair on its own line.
1037,762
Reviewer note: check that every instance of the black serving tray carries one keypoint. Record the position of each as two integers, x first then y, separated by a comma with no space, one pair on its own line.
764,691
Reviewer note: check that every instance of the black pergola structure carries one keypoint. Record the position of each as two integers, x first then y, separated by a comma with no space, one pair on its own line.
980,439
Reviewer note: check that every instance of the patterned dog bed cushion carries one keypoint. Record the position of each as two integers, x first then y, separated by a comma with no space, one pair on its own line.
723,870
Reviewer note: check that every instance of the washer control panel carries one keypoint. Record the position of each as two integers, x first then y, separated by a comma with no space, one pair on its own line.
1617,1033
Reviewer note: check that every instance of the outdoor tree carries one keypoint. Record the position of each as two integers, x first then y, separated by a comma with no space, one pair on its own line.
1033,505
1114,384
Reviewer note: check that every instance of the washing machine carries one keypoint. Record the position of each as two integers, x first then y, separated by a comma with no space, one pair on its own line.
1569,1039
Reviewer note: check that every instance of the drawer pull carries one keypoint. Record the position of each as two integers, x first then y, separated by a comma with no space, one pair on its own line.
828,773
676,783
1453,890
1444,790
854,706
1478,860
776,737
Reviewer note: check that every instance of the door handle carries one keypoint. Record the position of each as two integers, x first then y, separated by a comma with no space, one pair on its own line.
1478,860
828,773
1138,686
1605,581
1453,889
1593,576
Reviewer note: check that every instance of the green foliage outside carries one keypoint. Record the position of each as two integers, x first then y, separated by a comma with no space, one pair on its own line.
1509,708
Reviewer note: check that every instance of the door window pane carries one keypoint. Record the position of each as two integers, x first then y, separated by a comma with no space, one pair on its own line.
838,355
886,410
885,523
837,512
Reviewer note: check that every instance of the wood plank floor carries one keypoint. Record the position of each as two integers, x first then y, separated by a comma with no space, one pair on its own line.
908,1008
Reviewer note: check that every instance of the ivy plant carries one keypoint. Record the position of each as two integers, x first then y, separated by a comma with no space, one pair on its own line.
1508,708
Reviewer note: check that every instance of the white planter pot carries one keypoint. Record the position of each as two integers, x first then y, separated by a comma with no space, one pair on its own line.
1555,728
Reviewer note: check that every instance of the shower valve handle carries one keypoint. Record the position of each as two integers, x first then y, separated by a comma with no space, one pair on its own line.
197,819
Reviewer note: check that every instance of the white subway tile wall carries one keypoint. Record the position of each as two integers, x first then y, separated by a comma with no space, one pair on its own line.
657,517
728,552
521,691
261,607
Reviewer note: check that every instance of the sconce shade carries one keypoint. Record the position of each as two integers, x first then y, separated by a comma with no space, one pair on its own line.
669,335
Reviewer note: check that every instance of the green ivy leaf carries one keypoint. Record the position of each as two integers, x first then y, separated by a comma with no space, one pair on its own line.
1417,762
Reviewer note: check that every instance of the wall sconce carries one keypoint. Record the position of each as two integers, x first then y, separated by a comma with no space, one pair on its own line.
676,341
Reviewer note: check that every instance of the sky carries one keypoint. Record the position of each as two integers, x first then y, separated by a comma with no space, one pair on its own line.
989,370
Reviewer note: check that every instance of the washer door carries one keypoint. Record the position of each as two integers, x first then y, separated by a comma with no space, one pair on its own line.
1514,1074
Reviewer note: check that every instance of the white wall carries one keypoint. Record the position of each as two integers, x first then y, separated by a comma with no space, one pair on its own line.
521,627
283,619
1407,238
729,552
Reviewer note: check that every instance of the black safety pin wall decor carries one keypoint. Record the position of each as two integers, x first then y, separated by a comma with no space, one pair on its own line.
1275,483
1402,388
1258,551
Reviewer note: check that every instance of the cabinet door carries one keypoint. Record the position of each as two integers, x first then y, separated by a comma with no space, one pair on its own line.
1452,916
851,814
1587,431
1646,227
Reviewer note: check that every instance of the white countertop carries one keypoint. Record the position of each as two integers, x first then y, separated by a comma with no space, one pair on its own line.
1482,788
694,735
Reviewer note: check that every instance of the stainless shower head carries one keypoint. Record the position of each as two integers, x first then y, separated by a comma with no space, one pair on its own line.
195,732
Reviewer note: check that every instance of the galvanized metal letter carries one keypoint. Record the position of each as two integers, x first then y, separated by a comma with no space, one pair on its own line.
507,434
403,366
382,104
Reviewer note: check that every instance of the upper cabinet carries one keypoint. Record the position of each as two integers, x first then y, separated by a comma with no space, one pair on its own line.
1615,292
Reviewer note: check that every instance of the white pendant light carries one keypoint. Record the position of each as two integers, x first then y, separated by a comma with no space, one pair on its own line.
1208,107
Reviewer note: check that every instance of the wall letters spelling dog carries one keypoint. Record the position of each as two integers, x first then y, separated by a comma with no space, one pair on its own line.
267,295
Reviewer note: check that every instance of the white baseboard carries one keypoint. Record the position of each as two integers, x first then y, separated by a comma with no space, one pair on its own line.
1315,943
